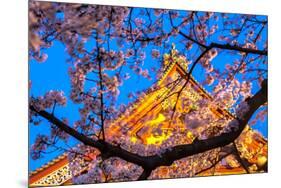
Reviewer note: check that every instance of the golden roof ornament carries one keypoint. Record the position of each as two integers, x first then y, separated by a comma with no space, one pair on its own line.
174,52
173,57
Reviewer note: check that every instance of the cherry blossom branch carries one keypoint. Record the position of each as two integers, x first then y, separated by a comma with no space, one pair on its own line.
106,149
227,46
183,34
221,46
101,97
237,48
150,163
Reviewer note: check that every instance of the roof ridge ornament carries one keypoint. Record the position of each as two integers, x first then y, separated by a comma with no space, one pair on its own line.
174,52
172,58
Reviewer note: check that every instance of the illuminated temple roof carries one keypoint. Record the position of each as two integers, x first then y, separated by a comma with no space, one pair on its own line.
57,171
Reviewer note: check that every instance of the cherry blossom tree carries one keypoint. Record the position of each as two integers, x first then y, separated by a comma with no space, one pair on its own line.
121,40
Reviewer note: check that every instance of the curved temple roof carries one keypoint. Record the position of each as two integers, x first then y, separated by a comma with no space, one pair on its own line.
57,172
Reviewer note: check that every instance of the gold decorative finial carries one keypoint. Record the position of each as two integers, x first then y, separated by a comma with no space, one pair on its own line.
173,46
173,51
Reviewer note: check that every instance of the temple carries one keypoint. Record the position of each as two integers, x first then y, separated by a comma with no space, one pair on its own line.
155,103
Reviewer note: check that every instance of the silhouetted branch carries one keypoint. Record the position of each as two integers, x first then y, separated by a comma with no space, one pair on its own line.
237,48
150,163
240,160
145,174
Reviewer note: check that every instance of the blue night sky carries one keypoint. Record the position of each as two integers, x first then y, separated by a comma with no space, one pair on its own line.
53,75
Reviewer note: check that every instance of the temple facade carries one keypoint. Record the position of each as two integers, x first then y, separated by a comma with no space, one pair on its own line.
155,103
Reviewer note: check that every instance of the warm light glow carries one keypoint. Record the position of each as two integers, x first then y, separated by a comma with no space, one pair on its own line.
190,135
157,140
133,139
261,160
158,120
